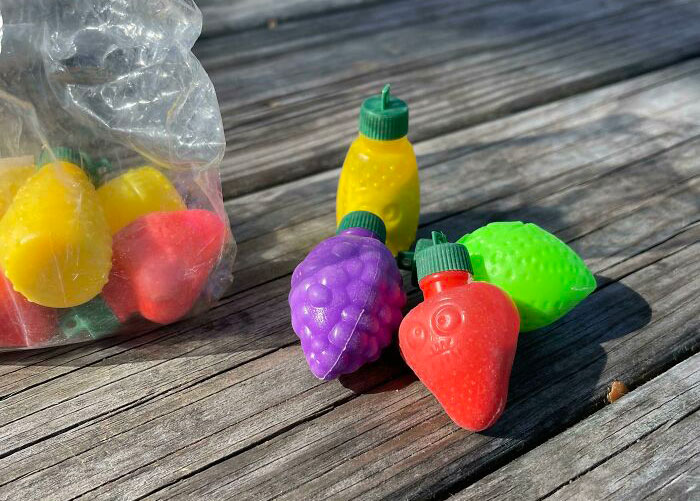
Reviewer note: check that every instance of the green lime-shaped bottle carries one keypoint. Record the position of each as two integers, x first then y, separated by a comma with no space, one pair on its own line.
542,274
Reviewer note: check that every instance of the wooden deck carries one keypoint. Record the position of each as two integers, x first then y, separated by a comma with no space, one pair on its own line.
581,116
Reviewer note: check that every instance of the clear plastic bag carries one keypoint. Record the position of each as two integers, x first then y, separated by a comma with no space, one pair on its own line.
112,218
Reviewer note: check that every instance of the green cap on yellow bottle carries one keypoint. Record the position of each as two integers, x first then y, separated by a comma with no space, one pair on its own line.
384,117
366,220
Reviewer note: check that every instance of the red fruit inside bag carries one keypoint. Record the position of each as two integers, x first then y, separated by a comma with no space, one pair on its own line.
161,262
23,323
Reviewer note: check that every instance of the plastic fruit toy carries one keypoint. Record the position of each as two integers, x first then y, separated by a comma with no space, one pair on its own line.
161,264
542,274
461,340
55,245
135,193
24,324
380,174
346,298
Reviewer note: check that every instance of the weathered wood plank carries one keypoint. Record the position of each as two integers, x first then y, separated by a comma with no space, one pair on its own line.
224,16
592,445
297,394
519,158
196,417
516,162
265,212
400,444
666,461
305,103
533,137
166,380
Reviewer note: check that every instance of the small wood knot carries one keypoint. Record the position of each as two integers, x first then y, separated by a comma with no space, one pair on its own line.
617,389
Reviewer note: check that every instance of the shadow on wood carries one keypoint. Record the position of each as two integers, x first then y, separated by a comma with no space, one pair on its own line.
563,342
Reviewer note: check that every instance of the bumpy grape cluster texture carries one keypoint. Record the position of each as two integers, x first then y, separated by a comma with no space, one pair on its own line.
346,302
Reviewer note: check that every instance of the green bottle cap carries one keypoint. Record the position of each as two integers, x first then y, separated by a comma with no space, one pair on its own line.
98,169
94,170
363,219
440,255
384,117
93,318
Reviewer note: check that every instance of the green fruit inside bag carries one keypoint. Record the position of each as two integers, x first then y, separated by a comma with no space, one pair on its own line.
542,274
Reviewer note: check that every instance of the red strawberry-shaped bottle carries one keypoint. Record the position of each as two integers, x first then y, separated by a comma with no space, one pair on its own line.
160,265
460,341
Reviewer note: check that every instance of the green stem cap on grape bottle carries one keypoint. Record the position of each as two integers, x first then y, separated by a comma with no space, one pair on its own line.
440,255
384,117
363,219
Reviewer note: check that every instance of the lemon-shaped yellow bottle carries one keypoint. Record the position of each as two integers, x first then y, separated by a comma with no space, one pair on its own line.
55,244
14,172
135,193
380,173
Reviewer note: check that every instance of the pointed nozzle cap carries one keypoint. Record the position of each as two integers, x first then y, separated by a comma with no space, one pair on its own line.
384,117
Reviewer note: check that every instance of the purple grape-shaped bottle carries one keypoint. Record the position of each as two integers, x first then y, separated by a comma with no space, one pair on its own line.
346,297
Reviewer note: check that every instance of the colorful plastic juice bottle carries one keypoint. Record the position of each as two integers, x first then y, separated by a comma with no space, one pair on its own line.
346,298
380,174
14,172
55,244
135,193
542,274
24,324
161,264
461,340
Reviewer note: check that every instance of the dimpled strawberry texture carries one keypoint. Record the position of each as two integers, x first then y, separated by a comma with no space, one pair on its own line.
346,301
542,274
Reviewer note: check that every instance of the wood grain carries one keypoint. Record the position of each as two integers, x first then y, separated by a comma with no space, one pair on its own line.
645,444
464,68
222,405
225,16
390,443
166,399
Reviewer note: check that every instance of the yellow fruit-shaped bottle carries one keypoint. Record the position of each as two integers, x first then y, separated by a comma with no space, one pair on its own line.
380,173
135,193
14,172
55,244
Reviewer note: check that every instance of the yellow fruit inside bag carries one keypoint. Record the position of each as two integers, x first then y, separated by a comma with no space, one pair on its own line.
136,193
55,243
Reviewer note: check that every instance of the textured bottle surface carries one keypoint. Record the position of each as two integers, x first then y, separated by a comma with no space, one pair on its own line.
55,245
135,193
346,301
382,177
461,343
542,274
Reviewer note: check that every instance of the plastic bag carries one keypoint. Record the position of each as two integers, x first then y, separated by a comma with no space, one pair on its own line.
112,218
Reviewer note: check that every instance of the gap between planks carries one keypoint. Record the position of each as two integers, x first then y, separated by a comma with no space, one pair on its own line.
472,88
619,429
329,187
